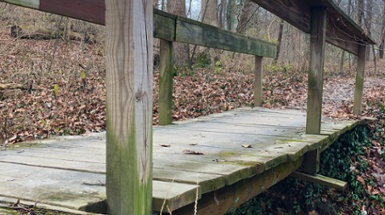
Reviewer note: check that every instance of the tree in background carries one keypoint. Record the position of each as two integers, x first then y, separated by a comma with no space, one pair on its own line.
181,50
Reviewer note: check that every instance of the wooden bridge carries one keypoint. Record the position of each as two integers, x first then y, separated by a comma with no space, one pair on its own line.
211,163
218,161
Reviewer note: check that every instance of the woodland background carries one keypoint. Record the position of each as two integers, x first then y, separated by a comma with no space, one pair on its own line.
52,82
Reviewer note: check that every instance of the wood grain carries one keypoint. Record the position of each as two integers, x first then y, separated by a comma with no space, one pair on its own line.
316,68
359,88
165,82
129,29
258,85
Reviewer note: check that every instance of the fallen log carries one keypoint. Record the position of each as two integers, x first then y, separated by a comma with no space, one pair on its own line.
13,86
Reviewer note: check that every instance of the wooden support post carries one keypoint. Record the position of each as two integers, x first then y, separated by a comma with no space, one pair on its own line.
357,109
322,180
129,64
316,67
165,82
311,162
258,81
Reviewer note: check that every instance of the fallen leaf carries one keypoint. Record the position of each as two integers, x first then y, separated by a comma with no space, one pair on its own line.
247,146
165,145
191,152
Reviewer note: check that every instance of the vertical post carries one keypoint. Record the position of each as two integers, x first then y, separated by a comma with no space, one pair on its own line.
357,108
258,81
129,64
165,82
316,67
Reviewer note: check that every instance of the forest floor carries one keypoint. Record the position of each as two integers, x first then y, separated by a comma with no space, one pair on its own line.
61,90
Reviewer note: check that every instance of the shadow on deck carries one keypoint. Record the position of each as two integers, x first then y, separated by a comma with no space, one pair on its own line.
221,160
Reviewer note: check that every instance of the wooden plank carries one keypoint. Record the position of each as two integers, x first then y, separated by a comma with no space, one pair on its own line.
258,85
343,41
165,82
164,25
222,200
322,180
194,32
359,87
129,80
80,190
311,162
316,68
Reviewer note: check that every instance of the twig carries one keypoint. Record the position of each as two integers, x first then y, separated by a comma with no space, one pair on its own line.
55,44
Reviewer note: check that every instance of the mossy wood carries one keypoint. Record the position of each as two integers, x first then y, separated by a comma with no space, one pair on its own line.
198,33
311,162
129,80
360,74
316,69
322,180
258,85
229,197
165,82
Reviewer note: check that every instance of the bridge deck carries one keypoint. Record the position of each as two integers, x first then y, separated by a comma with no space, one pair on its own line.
211,153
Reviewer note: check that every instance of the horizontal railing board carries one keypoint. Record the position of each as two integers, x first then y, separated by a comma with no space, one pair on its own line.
194,32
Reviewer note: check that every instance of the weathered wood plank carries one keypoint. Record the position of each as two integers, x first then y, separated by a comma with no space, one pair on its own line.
129,80
343,41
165,82
316,69
359,87
77,190
221,201
258,85
322,180
194,32
164,25
311,162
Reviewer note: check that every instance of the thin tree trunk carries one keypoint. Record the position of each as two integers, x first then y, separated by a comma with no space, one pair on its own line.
280,32
382,35
181,50
247,13
368,24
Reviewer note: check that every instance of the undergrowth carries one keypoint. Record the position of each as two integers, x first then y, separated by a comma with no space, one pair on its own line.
351,158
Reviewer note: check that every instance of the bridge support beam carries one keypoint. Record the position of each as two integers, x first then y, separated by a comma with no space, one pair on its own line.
165,82
129,80
316,67
359,89
258,81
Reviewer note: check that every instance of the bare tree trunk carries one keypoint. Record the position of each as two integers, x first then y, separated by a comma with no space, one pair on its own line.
280,32
181,50
248,11
382,34
360,11
230,15
368,24
222,14
210,11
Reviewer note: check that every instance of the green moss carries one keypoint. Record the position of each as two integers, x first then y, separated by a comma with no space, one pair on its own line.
244,163
227,154
63,195
288,141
